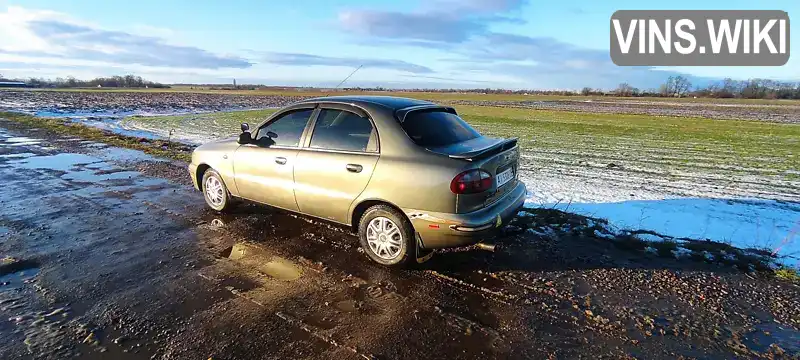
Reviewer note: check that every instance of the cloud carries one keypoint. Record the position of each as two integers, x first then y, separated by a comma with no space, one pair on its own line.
429,27
544,62
475,6
463,29
451,79
295,59
440,21
48,34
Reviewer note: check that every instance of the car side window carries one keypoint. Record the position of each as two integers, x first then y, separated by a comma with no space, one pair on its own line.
284,131
343,130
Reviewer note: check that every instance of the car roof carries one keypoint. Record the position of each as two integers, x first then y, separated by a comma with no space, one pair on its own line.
391,102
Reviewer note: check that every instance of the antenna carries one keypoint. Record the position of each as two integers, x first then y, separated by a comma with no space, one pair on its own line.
345,79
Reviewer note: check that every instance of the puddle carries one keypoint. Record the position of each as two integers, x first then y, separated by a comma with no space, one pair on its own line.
281,269
18,141
273,266
21,139
96,176
347,305
17,155
767,334
122,154
14,273
63,161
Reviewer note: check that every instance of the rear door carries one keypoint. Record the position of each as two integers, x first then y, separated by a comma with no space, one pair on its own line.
337,162
264,169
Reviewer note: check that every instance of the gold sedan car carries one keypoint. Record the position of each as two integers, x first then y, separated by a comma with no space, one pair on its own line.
407,175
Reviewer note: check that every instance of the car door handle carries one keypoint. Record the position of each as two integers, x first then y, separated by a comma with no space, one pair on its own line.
280,160
354,168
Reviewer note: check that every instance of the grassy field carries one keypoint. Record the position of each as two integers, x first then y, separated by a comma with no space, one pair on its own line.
666,144
437,96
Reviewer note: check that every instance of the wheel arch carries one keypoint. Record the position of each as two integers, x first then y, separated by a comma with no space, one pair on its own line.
201,170
361,208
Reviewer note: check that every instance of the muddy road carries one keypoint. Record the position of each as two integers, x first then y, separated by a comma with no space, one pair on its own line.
109,254
124,103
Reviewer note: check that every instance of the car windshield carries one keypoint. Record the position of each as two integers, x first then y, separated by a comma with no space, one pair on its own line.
434,128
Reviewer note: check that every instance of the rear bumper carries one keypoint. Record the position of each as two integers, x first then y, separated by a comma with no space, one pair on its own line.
192,168
443,230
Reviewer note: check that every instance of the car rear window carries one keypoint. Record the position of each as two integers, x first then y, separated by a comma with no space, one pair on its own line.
433,128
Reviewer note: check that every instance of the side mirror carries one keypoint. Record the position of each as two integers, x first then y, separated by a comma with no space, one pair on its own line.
271,135
245,138
245,127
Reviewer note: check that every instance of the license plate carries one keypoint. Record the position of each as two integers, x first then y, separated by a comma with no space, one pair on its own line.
504,177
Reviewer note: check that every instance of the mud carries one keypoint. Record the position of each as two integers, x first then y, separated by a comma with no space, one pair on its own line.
100,104
109,257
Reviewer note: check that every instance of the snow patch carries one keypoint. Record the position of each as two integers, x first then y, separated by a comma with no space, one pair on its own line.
681,253
603,235
649,237
708,256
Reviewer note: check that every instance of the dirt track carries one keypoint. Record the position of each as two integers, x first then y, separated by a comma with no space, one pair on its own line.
123,102
111,255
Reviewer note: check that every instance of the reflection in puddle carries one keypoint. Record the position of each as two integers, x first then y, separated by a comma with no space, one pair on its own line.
767,334
14,273
63,161
97,176
17,155
273,266
281,269
18,141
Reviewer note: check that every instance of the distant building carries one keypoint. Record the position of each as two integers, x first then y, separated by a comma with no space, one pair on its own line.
12,84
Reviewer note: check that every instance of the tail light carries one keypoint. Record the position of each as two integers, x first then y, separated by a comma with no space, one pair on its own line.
471,182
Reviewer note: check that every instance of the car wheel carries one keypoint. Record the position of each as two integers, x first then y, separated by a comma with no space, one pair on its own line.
387,236
215,192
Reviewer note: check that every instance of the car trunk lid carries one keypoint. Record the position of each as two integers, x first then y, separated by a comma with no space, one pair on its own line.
476,149
498,157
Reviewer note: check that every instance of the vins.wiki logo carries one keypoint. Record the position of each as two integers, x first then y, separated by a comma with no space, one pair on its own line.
700,38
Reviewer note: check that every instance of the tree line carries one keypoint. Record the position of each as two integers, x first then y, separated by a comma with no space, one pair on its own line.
126,81
679,86
674,86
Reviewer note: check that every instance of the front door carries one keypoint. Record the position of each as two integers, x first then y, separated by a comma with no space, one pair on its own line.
264,168
337,164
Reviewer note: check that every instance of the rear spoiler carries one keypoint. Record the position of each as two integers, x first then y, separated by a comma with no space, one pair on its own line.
401,114
504,145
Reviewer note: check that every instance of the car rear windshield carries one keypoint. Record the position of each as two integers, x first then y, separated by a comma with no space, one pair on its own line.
434,128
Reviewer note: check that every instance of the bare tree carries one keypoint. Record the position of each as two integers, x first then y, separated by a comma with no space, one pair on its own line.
676,86
626,89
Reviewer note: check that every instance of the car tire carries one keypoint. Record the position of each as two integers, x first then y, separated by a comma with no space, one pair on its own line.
387,236
215,192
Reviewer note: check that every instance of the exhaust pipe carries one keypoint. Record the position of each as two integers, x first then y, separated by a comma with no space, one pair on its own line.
485,246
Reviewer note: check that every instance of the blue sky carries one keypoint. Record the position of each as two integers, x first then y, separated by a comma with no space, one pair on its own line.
401,43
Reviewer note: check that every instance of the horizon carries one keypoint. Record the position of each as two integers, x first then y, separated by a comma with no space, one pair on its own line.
440,44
